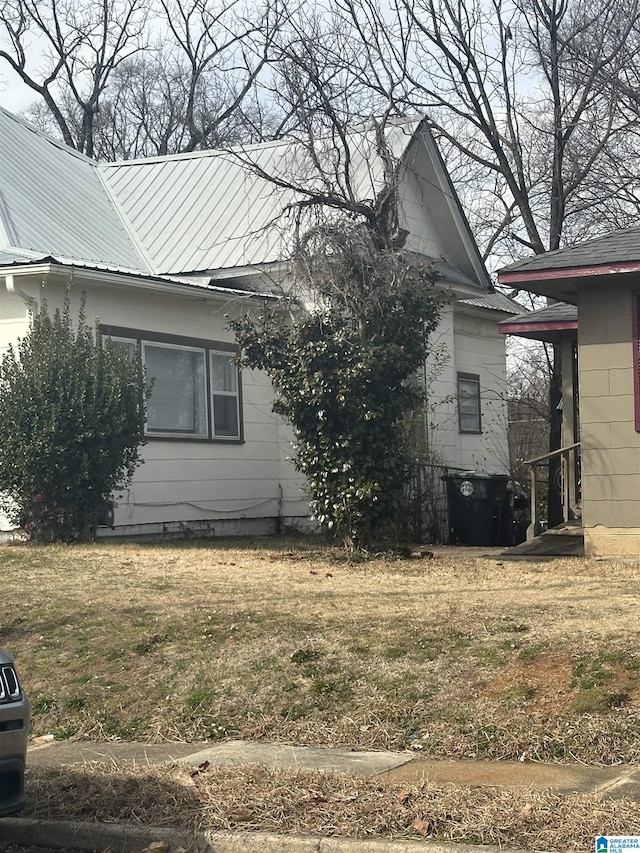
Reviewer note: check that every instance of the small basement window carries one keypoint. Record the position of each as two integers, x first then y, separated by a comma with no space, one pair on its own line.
469,416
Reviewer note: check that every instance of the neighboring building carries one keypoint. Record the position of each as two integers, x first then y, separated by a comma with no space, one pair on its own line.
602,278
167,248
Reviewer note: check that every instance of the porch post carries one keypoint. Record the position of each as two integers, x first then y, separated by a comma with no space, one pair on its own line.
568,428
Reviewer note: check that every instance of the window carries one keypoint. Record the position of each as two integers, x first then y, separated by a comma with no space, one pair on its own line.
177,405
195,385
224,394
469,419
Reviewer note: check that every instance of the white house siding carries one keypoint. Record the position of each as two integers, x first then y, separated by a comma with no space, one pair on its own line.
416,216
473,345
14,322
204,486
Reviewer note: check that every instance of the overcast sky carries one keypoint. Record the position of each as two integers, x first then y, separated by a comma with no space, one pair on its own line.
14,95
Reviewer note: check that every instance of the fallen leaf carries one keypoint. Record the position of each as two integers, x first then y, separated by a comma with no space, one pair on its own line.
183,777
421,826
241,815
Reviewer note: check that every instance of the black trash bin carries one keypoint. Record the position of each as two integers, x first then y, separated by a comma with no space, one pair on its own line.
477,504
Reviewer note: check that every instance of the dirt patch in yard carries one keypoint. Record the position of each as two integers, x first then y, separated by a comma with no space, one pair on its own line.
541,683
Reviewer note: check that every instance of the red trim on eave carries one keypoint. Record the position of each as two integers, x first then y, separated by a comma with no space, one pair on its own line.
636,358
515,328
516,277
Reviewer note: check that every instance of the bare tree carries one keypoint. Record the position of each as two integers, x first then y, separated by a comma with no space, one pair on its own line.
534,139
118,82
82,45
528,407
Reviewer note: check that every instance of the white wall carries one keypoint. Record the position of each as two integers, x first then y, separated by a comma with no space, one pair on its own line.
201,481
473,345
217,483
14,322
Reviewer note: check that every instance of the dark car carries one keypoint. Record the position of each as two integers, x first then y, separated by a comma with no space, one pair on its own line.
14,730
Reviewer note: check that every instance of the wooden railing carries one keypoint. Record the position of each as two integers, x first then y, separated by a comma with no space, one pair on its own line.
568,483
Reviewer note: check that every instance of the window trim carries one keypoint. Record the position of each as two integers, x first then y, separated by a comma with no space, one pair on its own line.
221,393
469,377
206,433
209,347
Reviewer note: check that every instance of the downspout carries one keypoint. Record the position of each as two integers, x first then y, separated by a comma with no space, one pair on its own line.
12,288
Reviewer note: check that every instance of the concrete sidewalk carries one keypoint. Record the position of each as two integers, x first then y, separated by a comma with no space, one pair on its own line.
606,782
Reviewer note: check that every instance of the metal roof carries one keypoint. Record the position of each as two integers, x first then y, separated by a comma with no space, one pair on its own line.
52,200
194,282
216,214
497,302
8,257
212,210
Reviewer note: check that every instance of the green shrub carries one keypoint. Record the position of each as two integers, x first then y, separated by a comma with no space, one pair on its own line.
72,414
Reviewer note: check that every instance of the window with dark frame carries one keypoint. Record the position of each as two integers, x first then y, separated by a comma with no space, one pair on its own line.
196,385
469,412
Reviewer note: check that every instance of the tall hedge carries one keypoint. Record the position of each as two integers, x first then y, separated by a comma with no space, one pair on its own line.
72,415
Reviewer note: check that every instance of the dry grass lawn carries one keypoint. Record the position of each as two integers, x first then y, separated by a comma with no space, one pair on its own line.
288,640
305,802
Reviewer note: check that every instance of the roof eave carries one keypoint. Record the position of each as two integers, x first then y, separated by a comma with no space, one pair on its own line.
510,328
108,277
562,283
518,277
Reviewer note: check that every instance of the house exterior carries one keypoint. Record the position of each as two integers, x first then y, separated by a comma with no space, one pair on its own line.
166,249
602,279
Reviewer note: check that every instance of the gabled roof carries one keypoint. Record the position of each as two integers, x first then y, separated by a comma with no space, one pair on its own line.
497,302
218,211
52,200
208,213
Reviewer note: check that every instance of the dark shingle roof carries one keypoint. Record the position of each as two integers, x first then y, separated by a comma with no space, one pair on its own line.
559,312
621,246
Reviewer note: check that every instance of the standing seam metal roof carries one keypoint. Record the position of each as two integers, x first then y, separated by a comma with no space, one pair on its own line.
200,213
52,200
235,215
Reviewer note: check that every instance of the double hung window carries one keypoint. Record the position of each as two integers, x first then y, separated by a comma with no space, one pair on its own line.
469,412
195,389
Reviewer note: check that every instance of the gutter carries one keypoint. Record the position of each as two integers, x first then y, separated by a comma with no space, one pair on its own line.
107,277
12,288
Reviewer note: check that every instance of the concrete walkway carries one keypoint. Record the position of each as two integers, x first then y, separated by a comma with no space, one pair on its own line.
606,782
406,767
